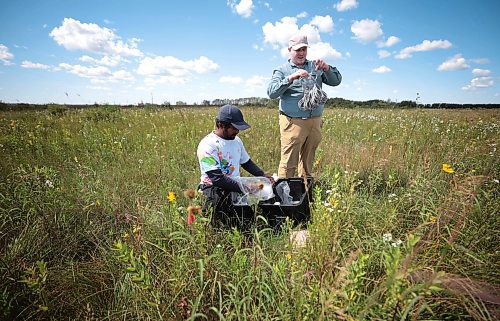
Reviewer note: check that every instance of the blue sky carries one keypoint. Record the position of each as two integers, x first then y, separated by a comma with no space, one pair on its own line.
125,51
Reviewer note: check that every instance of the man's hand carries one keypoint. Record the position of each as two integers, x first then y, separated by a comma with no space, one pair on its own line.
321,65
270,178
301,73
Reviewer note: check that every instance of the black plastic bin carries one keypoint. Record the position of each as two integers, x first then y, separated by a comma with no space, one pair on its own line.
298,211
225,212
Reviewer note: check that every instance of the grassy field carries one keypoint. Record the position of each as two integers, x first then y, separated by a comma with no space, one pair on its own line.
405,223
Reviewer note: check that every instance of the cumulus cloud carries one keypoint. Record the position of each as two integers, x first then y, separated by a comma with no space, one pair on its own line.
110,61
75,35
99,74
426,45
121,75
171,70
322,50
392,40
32,65
346,5
383,54
323,23
244,8
86,72
5,55
278,34
382,70
257,82
230,80
478,83
456,62
366,30
481,72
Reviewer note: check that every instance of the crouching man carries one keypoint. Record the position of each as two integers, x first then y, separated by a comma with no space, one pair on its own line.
220,155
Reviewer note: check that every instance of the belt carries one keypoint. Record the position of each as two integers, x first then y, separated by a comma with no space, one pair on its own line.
282,113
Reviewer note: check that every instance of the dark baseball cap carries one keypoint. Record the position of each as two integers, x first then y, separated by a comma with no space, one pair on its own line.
232,114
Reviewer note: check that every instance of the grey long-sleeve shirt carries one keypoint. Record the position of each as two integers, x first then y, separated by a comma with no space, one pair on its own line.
291,93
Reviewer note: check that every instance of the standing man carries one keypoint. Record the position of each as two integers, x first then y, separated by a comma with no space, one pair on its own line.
300,130
220,155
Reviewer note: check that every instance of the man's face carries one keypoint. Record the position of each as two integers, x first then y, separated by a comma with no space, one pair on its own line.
298,56
230,132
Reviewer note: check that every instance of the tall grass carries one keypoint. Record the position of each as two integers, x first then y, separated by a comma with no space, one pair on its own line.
89,231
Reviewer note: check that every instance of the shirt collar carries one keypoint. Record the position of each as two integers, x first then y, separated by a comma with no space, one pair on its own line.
306,63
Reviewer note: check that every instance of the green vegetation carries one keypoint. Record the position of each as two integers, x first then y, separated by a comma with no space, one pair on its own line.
405,223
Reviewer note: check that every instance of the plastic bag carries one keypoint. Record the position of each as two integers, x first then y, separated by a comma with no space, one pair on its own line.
254,189
313,94
283,190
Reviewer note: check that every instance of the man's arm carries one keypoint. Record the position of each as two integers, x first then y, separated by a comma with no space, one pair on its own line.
222,181
252,168
332,77
278,85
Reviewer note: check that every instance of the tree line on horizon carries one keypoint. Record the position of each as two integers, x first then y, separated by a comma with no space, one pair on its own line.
258,102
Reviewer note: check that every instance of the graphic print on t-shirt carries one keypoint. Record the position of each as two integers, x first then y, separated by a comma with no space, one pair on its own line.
225,166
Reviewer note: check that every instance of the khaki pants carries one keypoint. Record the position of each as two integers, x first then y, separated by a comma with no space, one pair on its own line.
299,140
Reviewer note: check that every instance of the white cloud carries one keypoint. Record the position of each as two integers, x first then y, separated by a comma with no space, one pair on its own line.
322,50
481,72
75,35
346,5
382,70
257,82
278,34
97,75
171,70
244,8
479,82
366,30
383,54
456,62
426,45
121,75
392,40
86,72
31,65
110,61
5,55
230,80
324,23
303,14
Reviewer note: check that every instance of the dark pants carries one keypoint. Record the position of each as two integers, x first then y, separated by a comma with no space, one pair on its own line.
224,213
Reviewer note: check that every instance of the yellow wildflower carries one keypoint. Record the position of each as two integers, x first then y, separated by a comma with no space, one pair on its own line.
448,169
171,197
433,219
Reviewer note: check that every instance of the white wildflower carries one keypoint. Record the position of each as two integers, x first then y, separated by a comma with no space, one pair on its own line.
387,237
49,184
397,243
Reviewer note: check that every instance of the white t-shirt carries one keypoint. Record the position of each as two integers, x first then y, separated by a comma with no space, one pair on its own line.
215,152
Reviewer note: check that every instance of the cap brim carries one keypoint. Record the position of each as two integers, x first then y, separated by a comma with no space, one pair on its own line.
241,125
299,45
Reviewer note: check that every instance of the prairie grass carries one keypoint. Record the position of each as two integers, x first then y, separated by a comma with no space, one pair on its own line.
90,229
